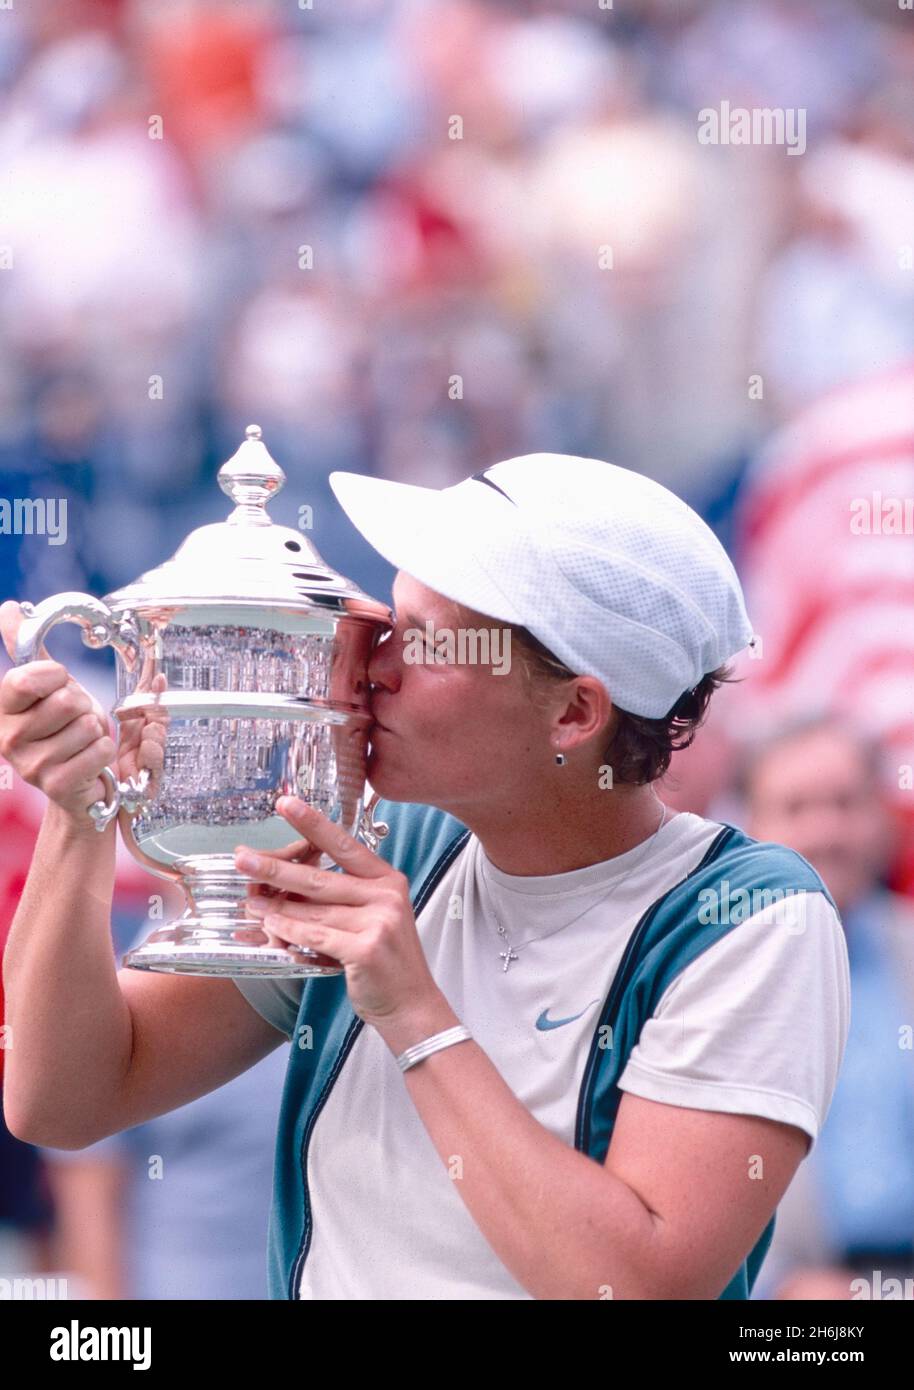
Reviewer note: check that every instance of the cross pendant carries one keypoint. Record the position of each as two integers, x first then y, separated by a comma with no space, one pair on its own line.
507,957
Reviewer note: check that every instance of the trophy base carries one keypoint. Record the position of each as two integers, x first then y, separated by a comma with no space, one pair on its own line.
194,946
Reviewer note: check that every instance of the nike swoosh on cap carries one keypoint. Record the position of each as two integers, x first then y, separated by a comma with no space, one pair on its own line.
544,1022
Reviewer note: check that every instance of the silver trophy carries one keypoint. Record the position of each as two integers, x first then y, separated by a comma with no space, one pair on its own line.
242,677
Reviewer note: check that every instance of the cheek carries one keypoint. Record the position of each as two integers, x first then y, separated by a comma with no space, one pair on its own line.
462,706
435,701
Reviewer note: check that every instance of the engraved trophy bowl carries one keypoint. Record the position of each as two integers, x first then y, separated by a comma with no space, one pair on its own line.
241,677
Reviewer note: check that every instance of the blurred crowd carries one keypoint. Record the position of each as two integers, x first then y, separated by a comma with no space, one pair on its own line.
412,238
379,228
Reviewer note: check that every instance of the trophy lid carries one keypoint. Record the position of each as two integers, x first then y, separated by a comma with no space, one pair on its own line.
247,559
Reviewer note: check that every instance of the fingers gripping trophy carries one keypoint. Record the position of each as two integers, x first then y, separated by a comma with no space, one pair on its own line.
241,678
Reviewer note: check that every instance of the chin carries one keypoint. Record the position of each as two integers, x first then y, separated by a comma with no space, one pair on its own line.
388,784
375,772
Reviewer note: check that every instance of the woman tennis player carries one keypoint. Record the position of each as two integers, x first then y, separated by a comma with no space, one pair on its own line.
580,1044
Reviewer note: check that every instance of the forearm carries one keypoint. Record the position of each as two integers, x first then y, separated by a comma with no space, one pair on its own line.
563,1225
69,1033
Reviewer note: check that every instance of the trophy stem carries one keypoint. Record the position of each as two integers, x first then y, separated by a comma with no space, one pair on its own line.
215,935
217,893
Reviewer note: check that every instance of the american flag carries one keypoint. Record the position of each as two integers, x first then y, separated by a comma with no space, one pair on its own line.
825,540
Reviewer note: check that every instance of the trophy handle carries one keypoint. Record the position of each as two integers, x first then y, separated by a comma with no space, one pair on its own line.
370,831
100,628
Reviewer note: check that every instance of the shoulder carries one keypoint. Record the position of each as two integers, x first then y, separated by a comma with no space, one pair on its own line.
762,909
748,875
418,836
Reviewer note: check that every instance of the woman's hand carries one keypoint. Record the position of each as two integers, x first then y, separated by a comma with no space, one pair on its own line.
361,918
52,731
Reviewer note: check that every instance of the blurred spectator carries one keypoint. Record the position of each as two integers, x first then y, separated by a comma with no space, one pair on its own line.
850,1209
837,303
819,54
26,1209
179,1207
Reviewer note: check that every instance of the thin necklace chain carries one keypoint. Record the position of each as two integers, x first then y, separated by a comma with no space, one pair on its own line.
510,954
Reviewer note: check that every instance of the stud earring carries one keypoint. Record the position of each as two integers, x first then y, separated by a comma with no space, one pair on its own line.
560,759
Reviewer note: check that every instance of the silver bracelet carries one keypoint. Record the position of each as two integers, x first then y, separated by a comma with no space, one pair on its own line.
421,1050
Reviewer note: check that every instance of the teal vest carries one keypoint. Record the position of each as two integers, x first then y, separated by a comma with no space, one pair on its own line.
423,842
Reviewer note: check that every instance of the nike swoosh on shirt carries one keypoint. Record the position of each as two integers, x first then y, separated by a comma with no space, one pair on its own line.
544,1022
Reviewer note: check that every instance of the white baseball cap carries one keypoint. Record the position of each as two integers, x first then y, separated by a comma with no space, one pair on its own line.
611,571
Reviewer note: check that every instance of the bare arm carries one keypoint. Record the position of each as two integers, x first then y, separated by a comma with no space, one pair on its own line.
677,1206
190,1036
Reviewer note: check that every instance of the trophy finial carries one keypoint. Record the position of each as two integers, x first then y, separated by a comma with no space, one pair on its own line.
251,477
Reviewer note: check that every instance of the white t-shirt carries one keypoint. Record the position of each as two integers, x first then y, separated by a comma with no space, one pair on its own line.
757,1024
